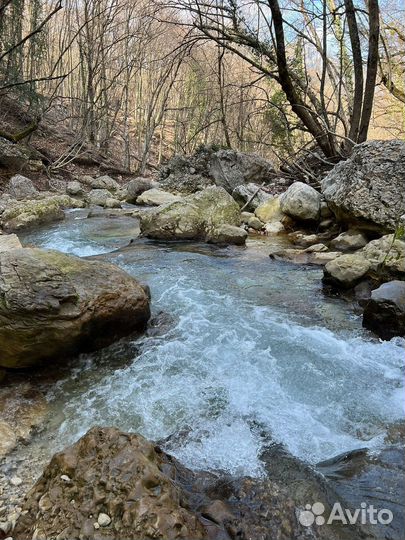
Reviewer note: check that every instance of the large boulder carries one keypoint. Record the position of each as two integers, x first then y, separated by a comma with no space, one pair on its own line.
384,313
368,189
212,166
22,215
250,196
301,202
136,187
21,187
53,304
156,197
193,218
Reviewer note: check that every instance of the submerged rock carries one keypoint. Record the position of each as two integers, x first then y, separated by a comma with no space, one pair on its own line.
196,217
123,486
368,190
301,202
53,304
384,312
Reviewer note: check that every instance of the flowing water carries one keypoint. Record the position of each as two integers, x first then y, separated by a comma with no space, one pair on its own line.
250,351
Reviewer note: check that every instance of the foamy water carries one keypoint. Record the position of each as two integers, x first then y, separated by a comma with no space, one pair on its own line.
255,354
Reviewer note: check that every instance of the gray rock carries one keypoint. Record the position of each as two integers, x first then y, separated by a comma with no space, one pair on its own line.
368,190
255,223
21,187
136,187
244,193
349,241
347,270
192,218
230,169
227,234
75,189
13,156
301,202
156,197
384,313
105,182
9,241
210,166
99,197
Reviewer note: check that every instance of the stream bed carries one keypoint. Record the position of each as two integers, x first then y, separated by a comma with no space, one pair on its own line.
244,352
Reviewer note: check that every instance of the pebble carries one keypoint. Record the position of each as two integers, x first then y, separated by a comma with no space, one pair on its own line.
103,520
65,478
96,525
15,481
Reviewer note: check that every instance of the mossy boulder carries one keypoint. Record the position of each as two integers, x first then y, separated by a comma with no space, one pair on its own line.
52,304
30,213
193,218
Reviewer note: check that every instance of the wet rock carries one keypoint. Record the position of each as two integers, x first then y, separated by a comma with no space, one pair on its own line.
145,493
368,190
30,213
21,188
192,218
156,197
251,195
346,270
9,241
67,305
136,187
227,234
301,202
384,313
349,241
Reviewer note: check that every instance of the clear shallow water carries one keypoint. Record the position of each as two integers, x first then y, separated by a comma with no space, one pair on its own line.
255,353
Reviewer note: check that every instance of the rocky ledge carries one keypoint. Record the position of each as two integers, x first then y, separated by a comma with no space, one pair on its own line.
112,484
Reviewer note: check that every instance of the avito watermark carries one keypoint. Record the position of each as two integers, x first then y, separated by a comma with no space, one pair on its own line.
365,514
